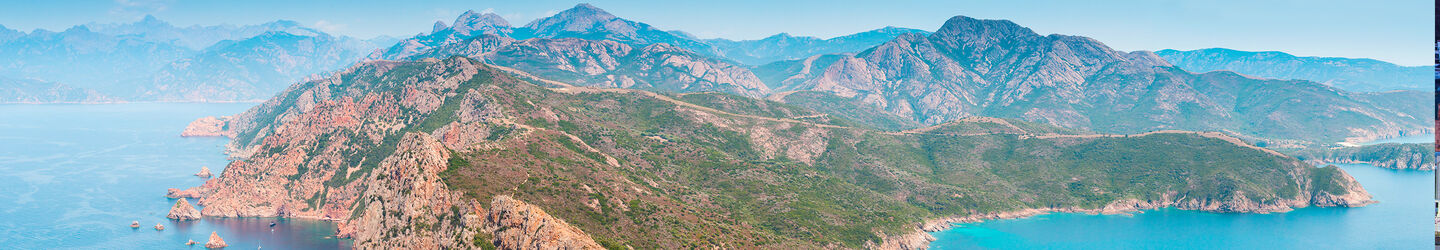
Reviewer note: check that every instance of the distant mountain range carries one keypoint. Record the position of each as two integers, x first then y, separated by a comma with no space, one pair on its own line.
891,78
783,46
1352,74
151,60
36,92
973,67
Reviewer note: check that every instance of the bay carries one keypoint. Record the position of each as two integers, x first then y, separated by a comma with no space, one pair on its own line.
1402,220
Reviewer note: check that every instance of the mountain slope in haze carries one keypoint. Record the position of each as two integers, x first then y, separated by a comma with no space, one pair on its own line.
786,47
409,153
84,58
972,67
152,60
254,68
1351,74
34,92
195,37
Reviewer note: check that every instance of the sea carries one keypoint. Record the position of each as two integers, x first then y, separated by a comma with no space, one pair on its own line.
75,176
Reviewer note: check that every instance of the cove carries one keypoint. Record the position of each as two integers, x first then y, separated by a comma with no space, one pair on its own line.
1402,220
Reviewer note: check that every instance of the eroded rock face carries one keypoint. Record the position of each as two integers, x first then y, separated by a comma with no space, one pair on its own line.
183,211
406,195
517,225
215,241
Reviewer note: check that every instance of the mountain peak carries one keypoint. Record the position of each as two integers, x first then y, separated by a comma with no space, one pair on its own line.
585,12
988,28
150,19
582,17
439,25
484,22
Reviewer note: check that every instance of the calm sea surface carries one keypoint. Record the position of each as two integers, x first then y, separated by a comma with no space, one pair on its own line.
75,176
1402,220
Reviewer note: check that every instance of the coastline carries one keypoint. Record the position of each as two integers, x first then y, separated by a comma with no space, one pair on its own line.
921,238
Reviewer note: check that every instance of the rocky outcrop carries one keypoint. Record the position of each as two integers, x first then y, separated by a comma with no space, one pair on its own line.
517,225
215,241
207,126
204,172
183,211
175,193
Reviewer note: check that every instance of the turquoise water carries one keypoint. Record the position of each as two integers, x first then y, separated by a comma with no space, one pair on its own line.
75,176
1402,220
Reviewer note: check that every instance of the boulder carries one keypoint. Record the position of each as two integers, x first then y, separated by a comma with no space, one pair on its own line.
215,241
183,211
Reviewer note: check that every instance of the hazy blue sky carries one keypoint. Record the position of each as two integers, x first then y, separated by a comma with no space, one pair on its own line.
1395,31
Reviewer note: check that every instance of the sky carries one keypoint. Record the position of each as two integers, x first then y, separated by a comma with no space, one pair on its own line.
1397,31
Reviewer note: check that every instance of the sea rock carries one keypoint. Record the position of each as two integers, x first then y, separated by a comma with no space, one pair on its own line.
135,224
183,211
208,126
204,172
215,241
159,227
175,193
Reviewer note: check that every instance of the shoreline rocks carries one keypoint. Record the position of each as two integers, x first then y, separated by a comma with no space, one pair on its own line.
215,241
183,211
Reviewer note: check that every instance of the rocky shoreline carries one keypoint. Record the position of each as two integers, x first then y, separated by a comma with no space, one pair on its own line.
920,238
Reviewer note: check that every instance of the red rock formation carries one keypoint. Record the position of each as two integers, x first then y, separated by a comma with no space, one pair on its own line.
206,126
204,172
183,211
215,241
